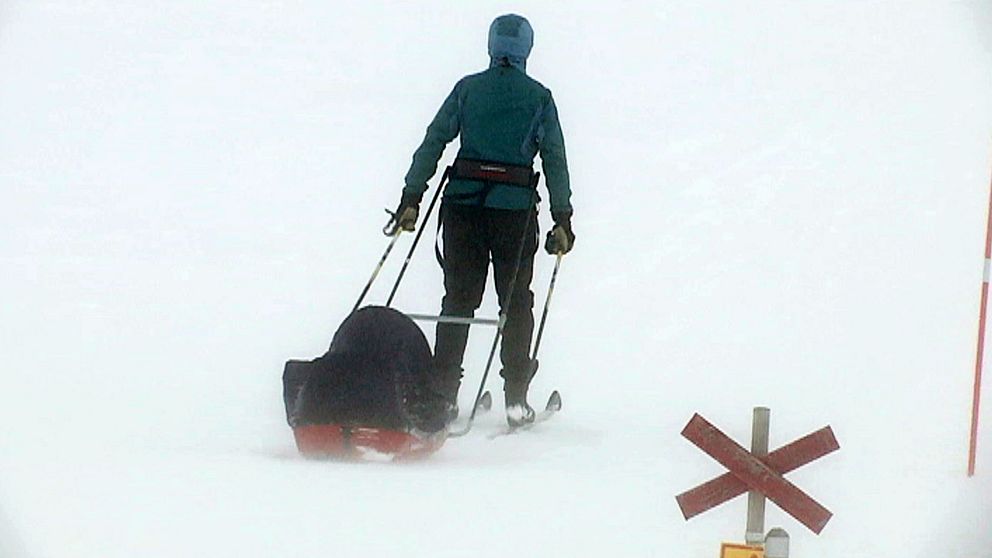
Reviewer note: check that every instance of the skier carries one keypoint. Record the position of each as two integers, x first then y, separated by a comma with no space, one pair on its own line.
488,211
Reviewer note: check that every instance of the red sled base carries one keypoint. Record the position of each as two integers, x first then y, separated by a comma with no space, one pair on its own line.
336,441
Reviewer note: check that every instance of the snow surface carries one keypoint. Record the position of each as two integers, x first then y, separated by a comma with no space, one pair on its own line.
777,203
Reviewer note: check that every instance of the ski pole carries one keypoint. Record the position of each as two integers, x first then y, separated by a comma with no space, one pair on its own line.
420,232
485,376
547,304
537,345
980,353
396,235
499,332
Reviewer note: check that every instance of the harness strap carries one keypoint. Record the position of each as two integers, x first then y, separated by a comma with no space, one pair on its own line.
437,238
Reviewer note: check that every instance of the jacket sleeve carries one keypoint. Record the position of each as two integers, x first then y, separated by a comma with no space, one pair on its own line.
551,146
440,132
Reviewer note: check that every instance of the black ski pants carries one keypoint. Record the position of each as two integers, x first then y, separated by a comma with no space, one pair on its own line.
472,237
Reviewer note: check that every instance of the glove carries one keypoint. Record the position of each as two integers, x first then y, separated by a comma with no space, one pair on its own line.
560,238
405,217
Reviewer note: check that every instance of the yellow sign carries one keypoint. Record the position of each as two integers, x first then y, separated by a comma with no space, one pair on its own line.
728,550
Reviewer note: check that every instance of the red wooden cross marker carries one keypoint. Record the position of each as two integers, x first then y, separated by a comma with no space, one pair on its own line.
748,472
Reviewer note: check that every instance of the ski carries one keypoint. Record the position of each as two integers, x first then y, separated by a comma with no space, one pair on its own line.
483,406
485,402
550,410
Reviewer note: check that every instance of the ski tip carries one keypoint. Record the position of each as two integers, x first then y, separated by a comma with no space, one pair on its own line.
554,402
486,401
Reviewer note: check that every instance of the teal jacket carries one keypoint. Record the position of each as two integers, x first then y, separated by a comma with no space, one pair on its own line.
503,116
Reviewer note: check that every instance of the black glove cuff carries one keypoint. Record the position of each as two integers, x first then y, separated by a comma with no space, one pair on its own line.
411,198
563,218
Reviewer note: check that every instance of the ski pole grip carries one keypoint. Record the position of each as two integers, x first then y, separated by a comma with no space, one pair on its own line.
392,226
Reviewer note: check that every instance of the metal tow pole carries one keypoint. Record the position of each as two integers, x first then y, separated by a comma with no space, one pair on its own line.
420,232
395,233
375,273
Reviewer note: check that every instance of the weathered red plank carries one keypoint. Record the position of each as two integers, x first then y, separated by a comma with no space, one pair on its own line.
787,458
756,474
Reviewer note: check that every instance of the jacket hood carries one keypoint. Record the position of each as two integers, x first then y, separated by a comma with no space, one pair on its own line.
510,41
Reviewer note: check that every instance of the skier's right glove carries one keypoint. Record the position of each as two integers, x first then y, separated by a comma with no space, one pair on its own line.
405,217
560,238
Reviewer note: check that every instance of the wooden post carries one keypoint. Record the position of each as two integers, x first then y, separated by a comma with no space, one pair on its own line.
755,534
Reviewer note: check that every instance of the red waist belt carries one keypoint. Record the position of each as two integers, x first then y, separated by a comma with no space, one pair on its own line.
486,171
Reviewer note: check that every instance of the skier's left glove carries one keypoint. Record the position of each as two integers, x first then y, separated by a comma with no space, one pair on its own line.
560,238
405,217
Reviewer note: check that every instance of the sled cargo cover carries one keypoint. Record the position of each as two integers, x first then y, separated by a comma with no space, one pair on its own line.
370,391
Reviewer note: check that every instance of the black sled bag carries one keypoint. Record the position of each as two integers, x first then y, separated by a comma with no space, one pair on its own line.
376,373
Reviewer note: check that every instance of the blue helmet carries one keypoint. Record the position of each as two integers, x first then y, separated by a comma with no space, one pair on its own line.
510,38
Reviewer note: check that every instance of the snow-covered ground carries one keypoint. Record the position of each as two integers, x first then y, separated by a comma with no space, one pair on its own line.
777,203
